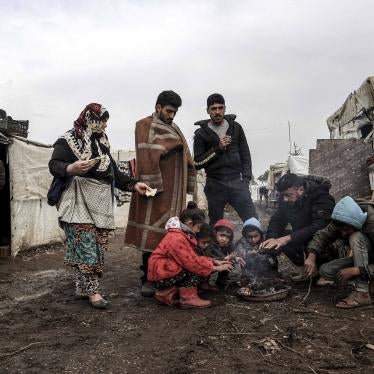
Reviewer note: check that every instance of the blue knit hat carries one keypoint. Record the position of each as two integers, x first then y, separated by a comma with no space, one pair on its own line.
349,212
252,224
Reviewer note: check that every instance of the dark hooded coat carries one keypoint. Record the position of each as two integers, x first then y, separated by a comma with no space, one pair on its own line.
311,213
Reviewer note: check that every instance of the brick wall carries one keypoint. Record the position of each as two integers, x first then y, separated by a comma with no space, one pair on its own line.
343,161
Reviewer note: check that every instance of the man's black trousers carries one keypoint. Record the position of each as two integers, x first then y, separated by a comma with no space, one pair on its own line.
233,192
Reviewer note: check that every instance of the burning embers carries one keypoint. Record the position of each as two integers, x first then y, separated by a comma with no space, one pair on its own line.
263,289
257,274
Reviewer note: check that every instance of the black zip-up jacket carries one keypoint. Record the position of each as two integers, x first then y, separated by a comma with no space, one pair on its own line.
310,214
232,163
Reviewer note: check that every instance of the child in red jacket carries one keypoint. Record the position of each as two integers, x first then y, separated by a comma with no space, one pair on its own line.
174,264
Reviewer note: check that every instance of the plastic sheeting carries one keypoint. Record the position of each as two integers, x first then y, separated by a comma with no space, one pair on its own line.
295,164
33,221
298,165
356,112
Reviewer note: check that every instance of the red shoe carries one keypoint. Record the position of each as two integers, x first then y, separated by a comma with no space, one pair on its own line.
166,296
188,299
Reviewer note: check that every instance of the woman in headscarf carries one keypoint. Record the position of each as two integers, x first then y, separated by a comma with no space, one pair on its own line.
82,158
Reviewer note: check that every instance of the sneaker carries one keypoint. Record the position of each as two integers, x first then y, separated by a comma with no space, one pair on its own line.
148,289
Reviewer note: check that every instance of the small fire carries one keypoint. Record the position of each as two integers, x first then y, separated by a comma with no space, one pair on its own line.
260,286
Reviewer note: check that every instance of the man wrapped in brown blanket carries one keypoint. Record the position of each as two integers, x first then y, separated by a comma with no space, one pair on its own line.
163,161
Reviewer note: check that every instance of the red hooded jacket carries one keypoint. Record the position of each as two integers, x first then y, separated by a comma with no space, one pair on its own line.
176,252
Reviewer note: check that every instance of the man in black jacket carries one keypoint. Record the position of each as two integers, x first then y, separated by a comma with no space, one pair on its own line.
221,148
305,204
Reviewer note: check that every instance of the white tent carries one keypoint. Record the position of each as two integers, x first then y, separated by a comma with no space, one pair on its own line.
295,164
298,165
354,119
33,221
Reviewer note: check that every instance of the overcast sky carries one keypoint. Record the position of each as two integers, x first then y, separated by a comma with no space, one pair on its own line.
274,61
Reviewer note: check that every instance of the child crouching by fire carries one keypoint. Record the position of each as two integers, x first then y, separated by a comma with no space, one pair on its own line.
255,263
175,266
220,248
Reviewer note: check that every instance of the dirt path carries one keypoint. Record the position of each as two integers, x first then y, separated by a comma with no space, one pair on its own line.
138,336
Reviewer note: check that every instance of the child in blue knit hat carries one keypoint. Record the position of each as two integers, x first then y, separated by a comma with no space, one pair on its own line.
352,226
255,264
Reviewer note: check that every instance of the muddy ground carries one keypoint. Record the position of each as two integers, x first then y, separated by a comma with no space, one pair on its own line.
44,330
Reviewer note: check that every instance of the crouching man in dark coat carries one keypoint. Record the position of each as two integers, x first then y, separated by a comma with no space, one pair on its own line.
305,204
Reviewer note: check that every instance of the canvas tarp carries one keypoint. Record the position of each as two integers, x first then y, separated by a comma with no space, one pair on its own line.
298,165
356,112
33,221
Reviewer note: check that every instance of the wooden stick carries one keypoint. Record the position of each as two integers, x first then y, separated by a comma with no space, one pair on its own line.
290,349
19,350
307,294
342,328
297,352
362,334
321,314
311,369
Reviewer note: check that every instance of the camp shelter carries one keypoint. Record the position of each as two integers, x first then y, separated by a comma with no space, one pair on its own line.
298,164
354,119
275,172
32,221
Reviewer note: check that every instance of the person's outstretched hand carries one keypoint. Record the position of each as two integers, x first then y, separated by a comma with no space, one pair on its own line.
141,188
272,243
